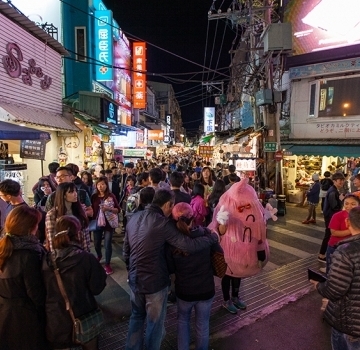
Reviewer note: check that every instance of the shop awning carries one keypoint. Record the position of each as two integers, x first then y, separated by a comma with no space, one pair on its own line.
324,150
20,113
10,131
207,138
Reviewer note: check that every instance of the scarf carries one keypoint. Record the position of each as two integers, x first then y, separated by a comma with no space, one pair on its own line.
29,242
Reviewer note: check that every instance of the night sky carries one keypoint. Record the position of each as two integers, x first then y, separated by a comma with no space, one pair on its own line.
180,27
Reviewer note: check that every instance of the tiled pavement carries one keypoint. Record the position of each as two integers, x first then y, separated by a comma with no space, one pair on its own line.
263,294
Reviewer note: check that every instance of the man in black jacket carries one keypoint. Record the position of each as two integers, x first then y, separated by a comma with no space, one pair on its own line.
333,204
176,180
342,289
147,233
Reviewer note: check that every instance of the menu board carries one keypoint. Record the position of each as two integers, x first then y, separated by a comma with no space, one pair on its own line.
33,149
206,151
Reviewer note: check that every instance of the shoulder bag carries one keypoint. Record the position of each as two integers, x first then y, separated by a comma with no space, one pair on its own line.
85,327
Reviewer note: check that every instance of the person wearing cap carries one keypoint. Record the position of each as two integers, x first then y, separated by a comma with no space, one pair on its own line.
313,200
194,282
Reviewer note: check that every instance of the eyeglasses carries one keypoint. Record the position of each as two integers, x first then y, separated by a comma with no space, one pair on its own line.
61,176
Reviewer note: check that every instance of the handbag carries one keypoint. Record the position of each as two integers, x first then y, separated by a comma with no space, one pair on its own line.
85,327
113,219
218,264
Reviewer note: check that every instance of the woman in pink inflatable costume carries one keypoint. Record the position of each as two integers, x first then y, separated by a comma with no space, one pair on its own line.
244,243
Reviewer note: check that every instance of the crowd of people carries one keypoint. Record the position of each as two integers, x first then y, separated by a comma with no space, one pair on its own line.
171,212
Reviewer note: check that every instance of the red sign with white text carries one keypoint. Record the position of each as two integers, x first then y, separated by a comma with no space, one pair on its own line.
139,74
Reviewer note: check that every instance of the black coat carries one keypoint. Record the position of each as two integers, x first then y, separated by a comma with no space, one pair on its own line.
83,277
22,298
342,288
147,233
194,278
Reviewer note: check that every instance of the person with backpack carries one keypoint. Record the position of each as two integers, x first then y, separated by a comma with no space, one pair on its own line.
325,184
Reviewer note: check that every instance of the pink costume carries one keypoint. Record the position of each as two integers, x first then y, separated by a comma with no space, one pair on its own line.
245,246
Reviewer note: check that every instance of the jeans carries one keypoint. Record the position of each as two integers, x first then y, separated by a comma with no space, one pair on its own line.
202,317
151,307
107,244
342,341
326,238
329,253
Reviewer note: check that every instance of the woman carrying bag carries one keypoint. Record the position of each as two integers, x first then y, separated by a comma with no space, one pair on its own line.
81,277
106,209
22,292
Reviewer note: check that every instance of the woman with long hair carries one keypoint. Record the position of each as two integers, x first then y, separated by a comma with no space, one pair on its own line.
214,197
42,191
206,179
87,179
82,277
67,203
198,204
105,201
194,282
187,185
22,292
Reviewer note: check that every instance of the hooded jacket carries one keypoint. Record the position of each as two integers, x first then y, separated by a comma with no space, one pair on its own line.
82,277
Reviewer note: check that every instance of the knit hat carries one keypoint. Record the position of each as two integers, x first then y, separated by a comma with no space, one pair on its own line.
182,209
315,177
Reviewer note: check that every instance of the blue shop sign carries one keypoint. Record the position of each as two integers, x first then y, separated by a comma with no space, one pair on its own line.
103,45
109,111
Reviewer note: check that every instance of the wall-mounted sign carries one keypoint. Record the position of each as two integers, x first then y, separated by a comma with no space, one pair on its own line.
109,111
206,151
103,45
209,119
270,146
139,75
13,68
155,135
168,124
33,149
135,153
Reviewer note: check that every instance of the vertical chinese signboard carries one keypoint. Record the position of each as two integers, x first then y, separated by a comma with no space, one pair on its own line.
209,120
139,77
104,45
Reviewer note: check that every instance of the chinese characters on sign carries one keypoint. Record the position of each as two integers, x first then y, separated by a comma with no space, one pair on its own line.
338,128
206,151
13,68
33,149
139,75
209,119
104,45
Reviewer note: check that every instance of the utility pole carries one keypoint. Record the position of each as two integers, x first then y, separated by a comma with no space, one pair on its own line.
271,119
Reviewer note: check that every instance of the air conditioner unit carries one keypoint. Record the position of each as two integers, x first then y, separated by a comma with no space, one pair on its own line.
264,97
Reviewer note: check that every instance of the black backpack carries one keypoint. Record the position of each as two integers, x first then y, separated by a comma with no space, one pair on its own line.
325,184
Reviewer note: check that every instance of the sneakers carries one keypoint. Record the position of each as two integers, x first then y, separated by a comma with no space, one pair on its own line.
322,258
108,269
306,222
228,305
312,221
239,304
